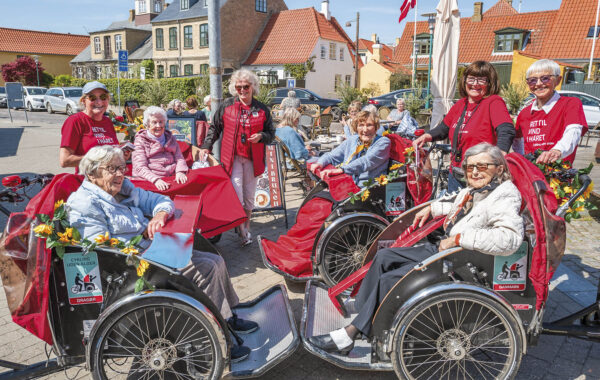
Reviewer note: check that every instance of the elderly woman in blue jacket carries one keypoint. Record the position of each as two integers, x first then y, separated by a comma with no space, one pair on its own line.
362,156
108,202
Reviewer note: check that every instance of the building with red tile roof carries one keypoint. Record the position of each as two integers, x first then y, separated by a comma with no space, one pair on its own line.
378,65
295,36
562,34
54,50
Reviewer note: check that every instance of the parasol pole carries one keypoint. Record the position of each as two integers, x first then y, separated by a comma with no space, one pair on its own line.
594,42
414,63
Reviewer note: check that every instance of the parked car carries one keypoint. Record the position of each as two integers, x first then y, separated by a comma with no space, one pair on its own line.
3,102
389,99
33,97
307,97
591,105
63,99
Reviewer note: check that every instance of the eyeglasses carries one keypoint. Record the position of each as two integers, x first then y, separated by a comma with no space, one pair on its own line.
112,169
93,98
481,166
545,79
477,80
245,87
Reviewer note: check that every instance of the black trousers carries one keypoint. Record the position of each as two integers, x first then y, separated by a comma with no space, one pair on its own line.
389,266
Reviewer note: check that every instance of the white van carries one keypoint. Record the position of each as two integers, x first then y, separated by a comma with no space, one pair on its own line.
33,98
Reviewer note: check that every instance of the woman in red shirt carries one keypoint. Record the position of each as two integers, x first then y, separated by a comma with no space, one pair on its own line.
552,123
88,128
482,116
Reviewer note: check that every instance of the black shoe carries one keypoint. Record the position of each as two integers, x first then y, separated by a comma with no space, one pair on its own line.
239,353
327,344
241,326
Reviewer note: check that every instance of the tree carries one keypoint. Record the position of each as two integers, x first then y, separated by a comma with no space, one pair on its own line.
299,70
22,70
399,80
149,65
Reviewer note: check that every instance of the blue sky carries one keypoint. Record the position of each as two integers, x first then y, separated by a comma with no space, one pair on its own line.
82,16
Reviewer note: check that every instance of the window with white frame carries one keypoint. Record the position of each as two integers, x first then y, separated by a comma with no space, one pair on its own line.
97,46
118,43
341,54
323,52
98,72
79,72
157,6
507,42
332,51
141,6
185,4
348,79
261,6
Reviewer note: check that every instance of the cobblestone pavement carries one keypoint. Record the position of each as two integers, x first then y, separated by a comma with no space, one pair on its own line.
554,358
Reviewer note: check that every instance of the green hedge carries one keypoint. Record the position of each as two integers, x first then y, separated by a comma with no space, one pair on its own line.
177,88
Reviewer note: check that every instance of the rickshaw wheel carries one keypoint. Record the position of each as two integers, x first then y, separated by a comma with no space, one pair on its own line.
457,335
156,339
344,247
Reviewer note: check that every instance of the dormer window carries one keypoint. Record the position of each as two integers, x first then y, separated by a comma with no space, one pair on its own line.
185,5
141,6
509,39
423,44
157,6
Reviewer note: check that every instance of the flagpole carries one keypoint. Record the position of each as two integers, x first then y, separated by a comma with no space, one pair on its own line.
414,63
594,42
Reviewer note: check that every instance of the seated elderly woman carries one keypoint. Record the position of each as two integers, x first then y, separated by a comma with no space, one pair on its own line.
108,202
287,132
157,152
363,156
482,217
406,124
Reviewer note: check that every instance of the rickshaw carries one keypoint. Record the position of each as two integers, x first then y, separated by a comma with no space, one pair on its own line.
453,316
166,329
333,230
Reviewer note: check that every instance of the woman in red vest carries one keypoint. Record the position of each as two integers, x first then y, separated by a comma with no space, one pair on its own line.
480,116
246,126
552,123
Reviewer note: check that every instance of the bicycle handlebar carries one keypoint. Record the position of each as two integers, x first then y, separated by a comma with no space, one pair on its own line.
10,194
586,180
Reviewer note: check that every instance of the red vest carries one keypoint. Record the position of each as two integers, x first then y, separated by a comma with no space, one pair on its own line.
231,131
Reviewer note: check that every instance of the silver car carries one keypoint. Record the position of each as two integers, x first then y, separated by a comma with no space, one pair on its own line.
63,99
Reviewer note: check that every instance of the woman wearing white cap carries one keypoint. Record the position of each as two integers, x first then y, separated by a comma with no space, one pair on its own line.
88,128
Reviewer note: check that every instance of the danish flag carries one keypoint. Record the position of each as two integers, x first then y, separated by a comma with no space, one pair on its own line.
406,6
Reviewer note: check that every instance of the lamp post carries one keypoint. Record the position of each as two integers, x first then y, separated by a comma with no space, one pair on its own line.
356,56
36,58
431,22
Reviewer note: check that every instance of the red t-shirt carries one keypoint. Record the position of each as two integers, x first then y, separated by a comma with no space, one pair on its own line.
81,133
244,149
480,122
541,130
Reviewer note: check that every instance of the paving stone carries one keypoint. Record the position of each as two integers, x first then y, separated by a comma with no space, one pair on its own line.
532,368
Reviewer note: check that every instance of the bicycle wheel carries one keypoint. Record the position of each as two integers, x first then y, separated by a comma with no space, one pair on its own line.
156,339
345,246
457,335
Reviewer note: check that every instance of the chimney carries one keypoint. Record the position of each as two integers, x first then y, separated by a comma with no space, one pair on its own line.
325,9
397,41
131,15
165,5
374,38
477,11
509,2
377,53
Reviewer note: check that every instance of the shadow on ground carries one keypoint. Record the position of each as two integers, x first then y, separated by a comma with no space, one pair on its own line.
9,141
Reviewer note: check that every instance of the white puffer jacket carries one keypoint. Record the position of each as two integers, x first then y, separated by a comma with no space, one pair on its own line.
493,225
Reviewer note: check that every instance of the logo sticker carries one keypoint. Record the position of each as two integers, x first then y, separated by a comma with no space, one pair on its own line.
510,272
394,198
83,278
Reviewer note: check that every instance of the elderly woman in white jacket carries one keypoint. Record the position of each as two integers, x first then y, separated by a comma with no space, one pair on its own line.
482,217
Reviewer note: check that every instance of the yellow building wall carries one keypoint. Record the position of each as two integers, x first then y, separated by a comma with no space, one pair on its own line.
52,64
521,63
373,72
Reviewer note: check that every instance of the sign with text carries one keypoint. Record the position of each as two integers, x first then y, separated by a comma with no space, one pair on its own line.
510,272
123,60
82,275
269,194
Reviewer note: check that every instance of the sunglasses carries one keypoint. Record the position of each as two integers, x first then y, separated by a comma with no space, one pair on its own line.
481,166
93,98
245,87
476,80
112,169
545,79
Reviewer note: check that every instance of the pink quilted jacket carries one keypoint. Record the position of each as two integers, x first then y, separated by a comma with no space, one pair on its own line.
152,161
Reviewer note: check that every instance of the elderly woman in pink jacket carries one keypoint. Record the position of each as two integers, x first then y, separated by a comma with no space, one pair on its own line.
157,152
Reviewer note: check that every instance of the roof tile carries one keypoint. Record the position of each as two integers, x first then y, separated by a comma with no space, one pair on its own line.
34,42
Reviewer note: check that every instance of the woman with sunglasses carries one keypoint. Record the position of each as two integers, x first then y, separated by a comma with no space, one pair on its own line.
246,126
88,128
552,123
480,116
483,217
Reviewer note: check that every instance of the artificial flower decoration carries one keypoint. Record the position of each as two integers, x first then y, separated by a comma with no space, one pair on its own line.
365,195
396,166
142,267
43,229
101,239
58,204
382,179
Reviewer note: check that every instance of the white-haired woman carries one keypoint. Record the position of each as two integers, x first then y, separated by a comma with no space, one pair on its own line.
287,131
157,154
552,123
207,109
482,217
401,117
291,101
107,202
246,126
175,108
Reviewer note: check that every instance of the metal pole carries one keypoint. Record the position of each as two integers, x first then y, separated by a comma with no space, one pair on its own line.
356,84
429,70
119,89
594,41
37,73
414,62
214,61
